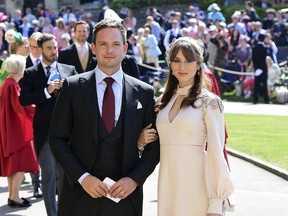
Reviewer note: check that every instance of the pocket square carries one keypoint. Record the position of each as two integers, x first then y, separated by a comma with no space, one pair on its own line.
139,105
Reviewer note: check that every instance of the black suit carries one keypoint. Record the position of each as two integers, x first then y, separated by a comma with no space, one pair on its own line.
130,66
32,92
259,53
29,62
34,176
69,55
79,144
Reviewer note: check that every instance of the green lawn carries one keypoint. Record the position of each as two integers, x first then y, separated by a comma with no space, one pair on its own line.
260,136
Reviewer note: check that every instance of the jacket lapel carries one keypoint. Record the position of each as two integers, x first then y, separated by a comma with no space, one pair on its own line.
61,70
77,62
88,86
41,75
131,100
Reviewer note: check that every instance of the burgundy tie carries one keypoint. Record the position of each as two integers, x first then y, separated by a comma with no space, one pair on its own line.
108,108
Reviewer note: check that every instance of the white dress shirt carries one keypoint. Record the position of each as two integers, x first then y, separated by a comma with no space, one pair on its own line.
33,59
53,66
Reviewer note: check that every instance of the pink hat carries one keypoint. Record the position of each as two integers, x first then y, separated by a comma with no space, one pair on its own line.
3,17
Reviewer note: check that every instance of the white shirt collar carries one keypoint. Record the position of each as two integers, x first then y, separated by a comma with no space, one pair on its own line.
78,46
53,65
100,76
33,59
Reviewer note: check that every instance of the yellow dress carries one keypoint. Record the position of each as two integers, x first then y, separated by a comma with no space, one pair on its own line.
192,181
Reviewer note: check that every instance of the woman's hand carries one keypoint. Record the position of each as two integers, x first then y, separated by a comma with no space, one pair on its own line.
148,135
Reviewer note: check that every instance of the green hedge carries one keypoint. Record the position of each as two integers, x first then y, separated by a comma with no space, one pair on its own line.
227,11
136,4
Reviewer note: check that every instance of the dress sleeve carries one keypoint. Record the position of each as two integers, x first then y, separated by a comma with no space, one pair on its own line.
218,180
25,114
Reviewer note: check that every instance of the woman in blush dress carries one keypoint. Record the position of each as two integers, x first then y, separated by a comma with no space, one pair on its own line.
59,29
17,154
192,180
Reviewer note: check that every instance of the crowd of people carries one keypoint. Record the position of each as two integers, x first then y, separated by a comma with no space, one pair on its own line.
103,123
227,43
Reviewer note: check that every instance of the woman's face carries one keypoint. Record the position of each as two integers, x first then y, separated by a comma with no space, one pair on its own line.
242,41
23,49
235,33
183,70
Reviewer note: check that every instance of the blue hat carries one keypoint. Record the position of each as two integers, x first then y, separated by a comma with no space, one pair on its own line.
195,5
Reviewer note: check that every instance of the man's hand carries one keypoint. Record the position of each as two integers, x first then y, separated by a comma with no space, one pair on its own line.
123,188
148,135
61,83
55,84
94,187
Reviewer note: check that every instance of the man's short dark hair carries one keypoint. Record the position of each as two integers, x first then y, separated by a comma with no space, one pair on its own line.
80,22
109,23
43,38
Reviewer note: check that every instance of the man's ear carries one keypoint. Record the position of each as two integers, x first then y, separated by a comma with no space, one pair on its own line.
93,47
125,48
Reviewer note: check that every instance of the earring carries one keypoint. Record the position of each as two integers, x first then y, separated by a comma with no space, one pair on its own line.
198,73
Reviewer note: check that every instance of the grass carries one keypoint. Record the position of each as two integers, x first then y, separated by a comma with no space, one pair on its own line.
261,136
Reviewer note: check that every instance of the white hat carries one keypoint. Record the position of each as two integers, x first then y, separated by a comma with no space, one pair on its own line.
212,28
35,22
109,13
223,24
105,8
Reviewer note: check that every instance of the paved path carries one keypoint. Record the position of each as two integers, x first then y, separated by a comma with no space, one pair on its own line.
261,109
258,192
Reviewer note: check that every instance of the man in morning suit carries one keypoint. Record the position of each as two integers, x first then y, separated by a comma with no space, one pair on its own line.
92,141
259,53
40,86
79,54
34,56
32,59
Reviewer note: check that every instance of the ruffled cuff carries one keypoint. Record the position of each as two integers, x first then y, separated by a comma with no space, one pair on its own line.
215,206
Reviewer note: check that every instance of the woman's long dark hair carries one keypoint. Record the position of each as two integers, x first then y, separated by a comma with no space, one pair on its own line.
192,51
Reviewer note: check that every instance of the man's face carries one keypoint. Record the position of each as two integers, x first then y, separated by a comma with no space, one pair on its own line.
109,50
49,51
81,33
34,49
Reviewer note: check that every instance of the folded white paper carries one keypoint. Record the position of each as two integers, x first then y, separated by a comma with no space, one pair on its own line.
109,183
139,105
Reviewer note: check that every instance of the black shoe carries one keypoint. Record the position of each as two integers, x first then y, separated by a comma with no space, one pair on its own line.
37,192
13,203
